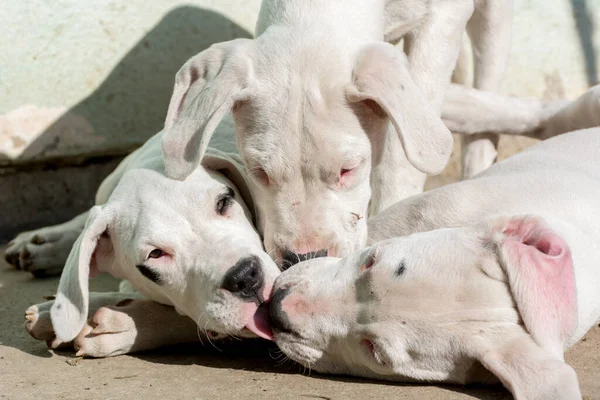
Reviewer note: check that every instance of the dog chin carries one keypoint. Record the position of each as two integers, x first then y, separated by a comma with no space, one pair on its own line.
298,352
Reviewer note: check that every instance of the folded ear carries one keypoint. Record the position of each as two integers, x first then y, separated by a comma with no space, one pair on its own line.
233,170
206,88
381,75
539,267
530,373
87,258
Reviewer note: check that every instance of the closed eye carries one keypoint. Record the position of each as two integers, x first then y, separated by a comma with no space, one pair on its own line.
372,350
370,260
348,172
261,175
225,201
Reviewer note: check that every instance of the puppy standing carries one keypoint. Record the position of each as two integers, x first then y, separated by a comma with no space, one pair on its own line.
312,98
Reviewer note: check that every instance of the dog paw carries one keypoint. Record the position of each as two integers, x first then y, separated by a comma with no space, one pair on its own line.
42,252
38,324
110,332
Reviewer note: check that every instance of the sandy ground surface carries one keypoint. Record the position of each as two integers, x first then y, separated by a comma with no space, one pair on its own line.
249,369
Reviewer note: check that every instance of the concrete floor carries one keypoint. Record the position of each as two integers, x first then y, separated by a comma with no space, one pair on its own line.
249,369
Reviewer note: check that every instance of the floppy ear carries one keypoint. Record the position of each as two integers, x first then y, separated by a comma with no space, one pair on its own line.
530,373
539,267
381,75
70,309
206,88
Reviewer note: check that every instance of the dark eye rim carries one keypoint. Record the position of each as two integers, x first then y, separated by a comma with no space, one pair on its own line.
224,201
158,253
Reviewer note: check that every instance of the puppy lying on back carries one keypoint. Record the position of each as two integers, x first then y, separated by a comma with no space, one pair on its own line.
189,244
496,276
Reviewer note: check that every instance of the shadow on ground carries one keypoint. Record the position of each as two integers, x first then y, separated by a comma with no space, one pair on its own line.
127,108
262,359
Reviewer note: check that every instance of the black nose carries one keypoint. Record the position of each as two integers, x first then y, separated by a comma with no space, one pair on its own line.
291,258
279,319
245,279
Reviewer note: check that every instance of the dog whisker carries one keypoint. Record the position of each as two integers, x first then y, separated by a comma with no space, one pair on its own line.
210,341
198,328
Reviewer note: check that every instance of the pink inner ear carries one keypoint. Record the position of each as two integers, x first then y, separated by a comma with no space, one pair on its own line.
540,271
94,270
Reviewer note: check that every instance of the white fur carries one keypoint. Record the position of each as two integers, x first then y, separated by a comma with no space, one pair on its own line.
140,210
468,111
312,95
456,306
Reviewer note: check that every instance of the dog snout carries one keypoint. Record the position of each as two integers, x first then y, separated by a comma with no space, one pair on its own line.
290,258
279,319
245,279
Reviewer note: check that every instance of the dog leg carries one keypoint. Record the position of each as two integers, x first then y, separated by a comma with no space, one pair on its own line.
119,323
39,324
582,113
394,178
133,326
433,48
490,32
469,111
43,252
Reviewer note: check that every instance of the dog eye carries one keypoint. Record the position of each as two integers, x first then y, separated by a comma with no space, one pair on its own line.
370,260
372,350
347,172
225,201
156,253
261,175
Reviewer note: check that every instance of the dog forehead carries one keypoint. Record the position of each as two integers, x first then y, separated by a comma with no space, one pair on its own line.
307,138
299,80
154,206
440,252
144,185
443,299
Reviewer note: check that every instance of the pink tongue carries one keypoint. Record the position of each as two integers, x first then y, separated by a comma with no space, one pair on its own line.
260,324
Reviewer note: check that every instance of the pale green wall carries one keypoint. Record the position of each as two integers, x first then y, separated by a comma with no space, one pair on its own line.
95,77
81,77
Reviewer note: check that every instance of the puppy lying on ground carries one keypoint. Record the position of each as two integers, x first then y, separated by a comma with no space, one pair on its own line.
188,244
496,275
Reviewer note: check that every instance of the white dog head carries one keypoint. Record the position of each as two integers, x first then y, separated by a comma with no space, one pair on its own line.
439,306
310,121
190,244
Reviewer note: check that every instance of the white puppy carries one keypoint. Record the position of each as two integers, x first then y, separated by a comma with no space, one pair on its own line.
312,97
189,244
499,275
